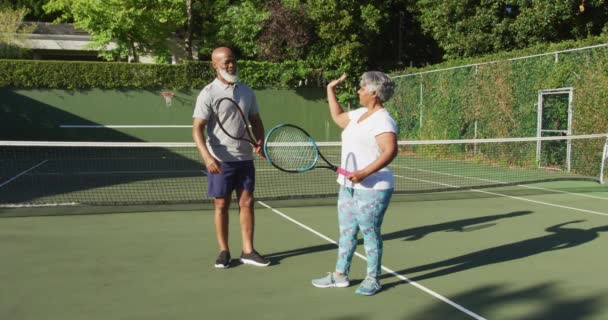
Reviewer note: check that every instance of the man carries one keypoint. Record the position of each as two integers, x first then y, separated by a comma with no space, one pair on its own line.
229,162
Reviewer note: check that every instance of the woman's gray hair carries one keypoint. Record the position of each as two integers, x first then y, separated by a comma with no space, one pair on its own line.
380,83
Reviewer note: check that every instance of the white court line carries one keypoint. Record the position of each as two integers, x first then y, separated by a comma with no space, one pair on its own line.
41,205
121,172
567,192
512,197
86,126
22,173
417,285
502,182
542,202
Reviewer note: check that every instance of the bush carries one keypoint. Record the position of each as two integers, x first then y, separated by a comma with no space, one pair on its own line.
113,75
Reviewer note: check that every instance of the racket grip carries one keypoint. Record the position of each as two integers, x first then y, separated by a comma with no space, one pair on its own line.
343,172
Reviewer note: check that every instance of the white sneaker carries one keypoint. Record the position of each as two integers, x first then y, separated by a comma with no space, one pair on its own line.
332,280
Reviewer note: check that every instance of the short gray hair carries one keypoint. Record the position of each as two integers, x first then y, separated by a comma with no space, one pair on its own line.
380,83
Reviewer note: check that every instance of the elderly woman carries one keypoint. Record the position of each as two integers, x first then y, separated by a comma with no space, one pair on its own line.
369,144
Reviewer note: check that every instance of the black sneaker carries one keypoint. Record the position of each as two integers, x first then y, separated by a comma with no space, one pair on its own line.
223,260
255,259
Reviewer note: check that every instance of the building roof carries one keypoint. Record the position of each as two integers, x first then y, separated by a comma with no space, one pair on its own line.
57,29
57,36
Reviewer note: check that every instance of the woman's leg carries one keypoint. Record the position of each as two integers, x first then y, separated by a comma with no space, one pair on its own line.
372,206
347,221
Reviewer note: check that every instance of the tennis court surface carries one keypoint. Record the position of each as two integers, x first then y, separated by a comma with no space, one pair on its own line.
468,234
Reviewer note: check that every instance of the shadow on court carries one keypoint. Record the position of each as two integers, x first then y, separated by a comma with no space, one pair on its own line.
485,300
409,234
559,238
43,175
453,226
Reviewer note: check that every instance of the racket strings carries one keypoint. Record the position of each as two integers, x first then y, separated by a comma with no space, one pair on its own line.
291,149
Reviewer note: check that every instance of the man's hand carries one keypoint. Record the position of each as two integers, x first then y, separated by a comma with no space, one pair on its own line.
259,149
212,166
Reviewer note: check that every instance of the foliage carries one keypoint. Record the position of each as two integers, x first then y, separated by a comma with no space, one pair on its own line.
286,33
330,35
12,31
240,27
36,12
205,25
506,55
123,28
11,25
78,75
342,29
466,28
498,99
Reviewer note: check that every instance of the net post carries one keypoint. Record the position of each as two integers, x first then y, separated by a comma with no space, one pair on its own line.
604,159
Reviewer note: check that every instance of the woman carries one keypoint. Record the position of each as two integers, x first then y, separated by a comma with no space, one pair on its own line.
369,144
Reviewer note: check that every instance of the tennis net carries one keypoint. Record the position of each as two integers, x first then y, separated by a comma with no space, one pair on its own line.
36,174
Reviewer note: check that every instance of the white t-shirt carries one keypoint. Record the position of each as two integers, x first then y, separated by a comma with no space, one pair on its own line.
359,148
221,146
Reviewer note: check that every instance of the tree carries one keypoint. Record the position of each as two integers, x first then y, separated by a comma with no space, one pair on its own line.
36,13
124,28
12,31
343,31
285,34
465,28
188,40
239,26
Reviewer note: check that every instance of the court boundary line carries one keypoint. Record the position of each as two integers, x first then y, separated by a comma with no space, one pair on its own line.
114,126
508,196
497,181
395,274
127,172
542,202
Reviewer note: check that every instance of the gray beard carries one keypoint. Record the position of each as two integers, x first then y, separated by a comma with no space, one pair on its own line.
232,78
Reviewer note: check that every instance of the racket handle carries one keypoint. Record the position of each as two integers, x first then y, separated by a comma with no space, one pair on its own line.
343,172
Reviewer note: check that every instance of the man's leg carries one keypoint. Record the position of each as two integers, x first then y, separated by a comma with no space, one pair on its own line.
220,186
247,219
244,196
220,218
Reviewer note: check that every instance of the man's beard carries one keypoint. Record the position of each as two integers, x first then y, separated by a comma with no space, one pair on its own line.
231,78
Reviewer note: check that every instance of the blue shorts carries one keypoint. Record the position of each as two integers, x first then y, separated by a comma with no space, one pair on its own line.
235,175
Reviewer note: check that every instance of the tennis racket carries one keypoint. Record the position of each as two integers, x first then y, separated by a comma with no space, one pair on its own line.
290,148
232,121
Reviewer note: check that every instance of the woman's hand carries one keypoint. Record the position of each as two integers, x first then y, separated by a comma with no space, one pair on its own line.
332,85
357,176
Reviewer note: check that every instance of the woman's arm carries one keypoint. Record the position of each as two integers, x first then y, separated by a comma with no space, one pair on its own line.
387,142
337,113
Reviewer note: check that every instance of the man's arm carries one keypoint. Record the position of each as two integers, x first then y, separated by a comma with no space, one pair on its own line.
257,127
198,134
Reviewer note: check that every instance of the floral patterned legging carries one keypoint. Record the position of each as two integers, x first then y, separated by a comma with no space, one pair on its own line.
363,210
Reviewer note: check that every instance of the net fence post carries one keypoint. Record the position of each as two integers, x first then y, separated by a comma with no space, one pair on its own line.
604,159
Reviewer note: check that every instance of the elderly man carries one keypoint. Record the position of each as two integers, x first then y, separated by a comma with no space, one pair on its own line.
229,162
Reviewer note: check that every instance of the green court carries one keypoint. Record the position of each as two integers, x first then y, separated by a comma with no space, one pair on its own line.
516,252
478,229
